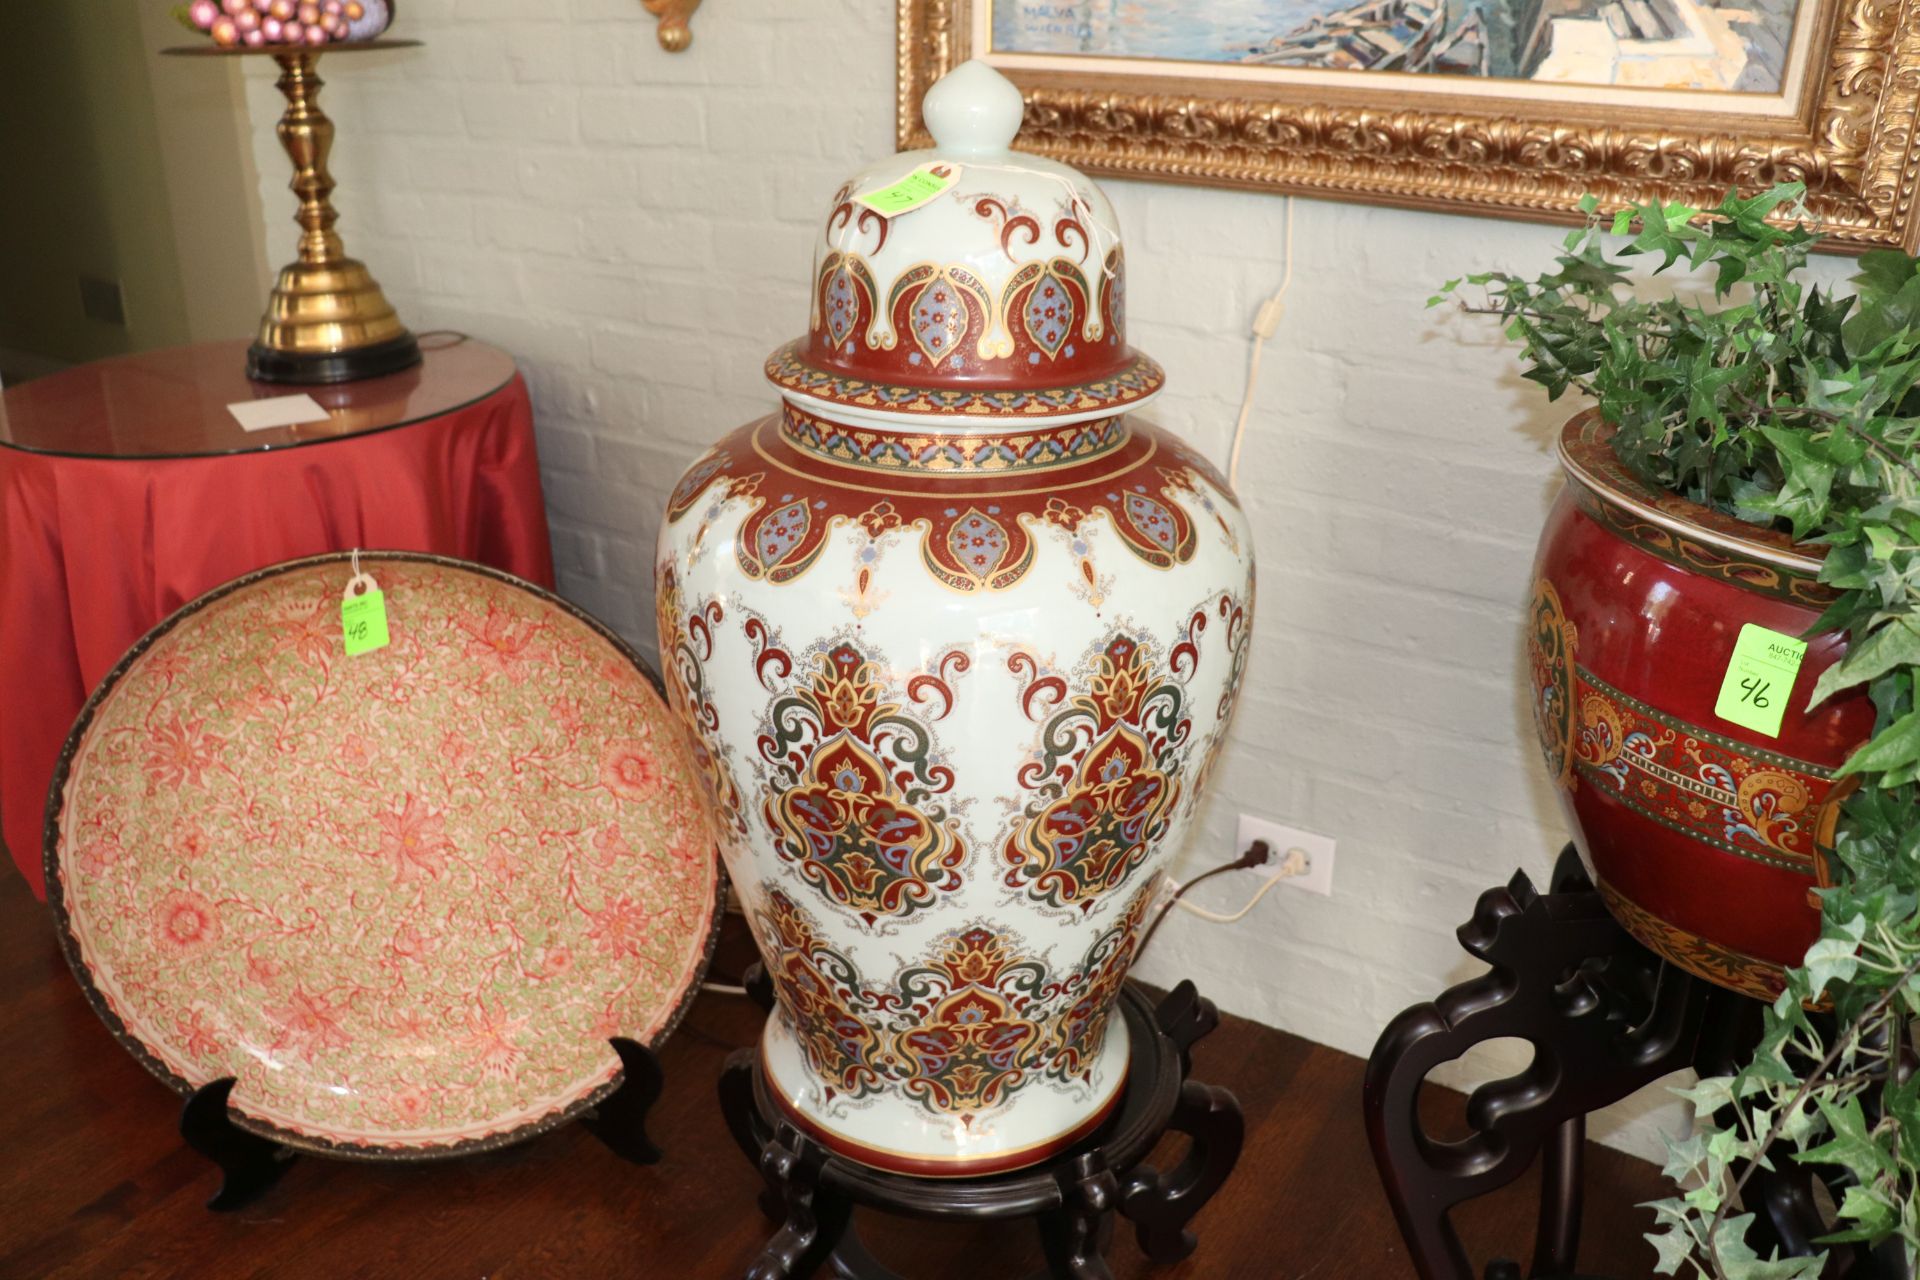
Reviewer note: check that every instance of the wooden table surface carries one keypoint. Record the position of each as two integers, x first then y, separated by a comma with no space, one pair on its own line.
96,1183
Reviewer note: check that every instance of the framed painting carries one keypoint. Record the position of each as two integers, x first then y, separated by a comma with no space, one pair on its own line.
1508,107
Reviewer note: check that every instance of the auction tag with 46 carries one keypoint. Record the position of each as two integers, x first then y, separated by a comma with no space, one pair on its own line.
1759,679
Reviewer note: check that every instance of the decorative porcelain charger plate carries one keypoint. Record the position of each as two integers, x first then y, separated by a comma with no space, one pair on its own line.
405,897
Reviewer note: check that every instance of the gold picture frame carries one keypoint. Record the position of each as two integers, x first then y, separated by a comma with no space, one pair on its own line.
1846,129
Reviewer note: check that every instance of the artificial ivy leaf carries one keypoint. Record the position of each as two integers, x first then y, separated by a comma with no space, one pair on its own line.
1705,1198
1739,1261
1896,745
1851,1147
1874,1214
1895,643
1708,1096
1834,957
1883,273
1798,1127
1686,1157
1882,318
1673,1247
1900,1101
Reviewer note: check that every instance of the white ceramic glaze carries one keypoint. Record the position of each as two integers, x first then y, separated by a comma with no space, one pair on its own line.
957,664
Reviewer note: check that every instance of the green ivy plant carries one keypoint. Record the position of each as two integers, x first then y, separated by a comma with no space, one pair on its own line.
1797,408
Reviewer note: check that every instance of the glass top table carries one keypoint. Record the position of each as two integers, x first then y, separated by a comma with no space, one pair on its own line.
173,403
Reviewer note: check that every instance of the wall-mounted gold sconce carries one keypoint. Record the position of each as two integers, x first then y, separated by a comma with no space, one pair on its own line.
675,34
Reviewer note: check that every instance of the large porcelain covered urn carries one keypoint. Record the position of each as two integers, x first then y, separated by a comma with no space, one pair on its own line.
958,640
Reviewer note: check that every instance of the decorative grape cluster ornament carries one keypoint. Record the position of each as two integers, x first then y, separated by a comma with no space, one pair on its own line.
260,23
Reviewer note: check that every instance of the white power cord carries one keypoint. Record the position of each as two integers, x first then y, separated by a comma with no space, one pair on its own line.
1295,864
1265,322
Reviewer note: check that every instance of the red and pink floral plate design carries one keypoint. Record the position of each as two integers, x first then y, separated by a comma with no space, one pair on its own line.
404,898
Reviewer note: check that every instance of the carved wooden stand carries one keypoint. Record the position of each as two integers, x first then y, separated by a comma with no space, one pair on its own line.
1605,1017
250,1165
1072,1198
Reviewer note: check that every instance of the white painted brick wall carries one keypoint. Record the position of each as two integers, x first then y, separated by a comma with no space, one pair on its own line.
635,227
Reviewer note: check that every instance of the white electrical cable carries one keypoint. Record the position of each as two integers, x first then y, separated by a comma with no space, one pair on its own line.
1296,863
1265,321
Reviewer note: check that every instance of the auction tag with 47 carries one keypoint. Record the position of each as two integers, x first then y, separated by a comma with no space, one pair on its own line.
1759,679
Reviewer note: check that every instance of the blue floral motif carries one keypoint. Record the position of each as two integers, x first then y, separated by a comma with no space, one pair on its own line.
1049,313
781,532
939,319
1153,520
843,306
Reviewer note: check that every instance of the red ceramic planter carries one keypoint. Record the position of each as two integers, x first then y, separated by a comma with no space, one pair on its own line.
1705,837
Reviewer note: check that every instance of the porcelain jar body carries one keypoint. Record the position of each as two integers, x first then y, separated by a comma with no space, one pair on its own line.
957,688
1704,836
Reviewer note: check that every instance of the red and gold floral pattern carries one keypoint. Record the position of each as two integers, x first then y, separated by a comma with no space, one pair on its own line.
1551,645
822,995
976,531
1056,318
1106,773
1135,380
1734,796
686,645
972,452
975,1020
854,783
405,897
1734,970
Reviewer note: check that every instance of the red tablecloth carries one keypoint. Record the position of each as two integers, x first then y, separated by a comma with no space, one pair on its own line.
94,552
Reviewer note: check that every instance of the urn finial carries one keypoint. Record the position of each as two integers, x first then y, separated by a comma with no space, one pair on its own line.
973,109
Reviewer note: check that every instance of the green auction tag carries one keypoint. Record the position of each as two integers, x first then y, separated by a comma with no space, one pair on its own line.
912,191
363,617
1759,679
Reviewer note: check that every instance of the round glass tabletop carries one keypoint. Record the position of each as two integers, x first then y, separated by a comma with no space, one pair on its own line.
173,403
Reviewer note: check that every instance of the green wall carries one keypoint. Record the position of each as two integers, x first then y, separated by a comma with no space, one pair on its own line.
82,182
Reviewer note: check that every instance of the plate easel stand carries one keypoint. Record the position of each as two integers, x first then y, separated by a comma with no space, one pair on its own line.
1606,1017
1071,1198
250,1165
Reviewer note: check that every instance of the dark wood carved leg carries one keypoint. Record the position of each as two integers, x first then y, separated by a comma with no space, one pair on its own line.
1604,1016
1161,1205
1556,1241
759,986
249,1164
852,1261
815,1219
620,1119
743,1122
1074,1236
1186,1017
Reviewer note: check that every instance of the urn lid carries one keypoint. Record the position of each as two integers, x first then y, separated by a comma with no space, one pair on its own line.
967,280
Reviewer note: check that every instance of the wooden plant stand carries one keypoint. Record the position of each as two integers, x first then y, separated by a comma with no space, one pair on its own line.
1072,1199
1606,1017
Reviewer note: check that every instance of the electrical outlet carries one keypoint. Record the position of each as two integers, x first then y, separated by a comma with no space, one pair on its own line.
1317,850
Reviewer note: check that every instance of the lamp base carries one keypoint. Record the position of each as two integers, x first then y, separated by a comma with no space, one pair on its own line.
328,321
318,368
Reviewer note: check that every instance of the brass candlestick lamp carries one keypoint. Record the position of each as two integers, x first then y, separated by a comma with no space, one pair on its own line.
327,319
